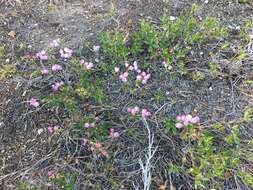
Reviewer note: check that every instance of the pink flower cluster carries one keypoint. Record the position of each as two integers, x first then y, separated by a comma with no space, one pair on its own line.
185,120
56,68
57,85
123,77
86,65
113,134
44,71
42,55
34,102
89,125
51,174
51,129
66,53
141,75
135,110
94,146
55,43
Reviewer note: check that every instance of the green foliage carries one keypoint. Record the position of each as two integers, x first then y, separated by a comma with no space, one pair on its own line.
147,37
2,52
248,115
23,185
7,71
114,46
170,126
65,181
213,69
244,32
174,169
198,76
64,99
212,162
246,177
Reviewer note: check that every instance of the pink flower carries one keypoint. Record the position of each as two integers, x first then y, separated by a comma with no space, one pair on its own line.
86,65
66,53
50,129
56,67
195,120
143,77
130,68
123,77
133,111
179,118
135,66
188,117
145,113
57,85
44,71
185,120
34,102
55,43
51,173
164,63
113,134
116,69
139,77
105,153
42,55
98,145
179,125
84,141
56,128
89,125
96,48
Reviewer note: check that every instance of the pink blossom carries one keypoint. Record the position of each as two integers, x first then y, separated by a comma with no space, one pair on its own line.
51,173
143,77
195,120
188,117
42,55
56,67
123,77
89,125
84,141
66,53
179,118
116,69
98,145
139,77
96,48
138,71
55,43
133,111
145,113
179,125
57,85
130,68
50,129
113,134
86,65
135,64
34,102
185,120
105,153
164,63
56,128
44,71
